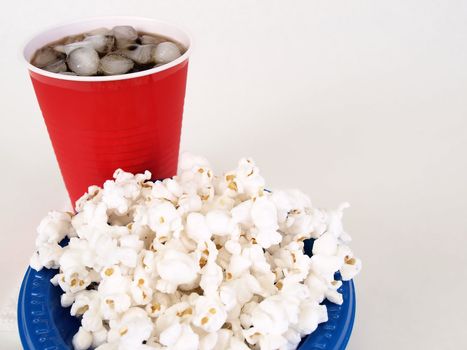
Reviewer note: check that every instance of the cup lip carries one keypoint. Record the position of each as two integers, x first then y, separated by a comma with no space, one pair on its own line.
97,79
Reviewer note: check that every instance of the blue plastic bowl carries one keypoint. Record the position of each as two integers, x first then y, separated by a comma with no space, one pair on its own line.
45,325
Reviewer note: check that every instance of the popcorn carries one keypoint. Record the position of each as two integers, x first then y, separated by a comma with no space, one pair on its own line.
211,278
131,329
54,227
209,314
162,218
118,194
351,266
82,340
175,268
47,255
197,261
218,222
197,228
99,337
310,315
188,339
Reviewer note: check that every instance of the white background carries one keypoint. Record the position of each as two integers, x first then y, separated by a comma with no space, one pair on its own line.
363,101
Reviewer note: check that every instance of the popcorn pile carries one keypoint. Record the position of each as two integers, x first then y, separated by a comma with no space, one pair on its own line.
195,262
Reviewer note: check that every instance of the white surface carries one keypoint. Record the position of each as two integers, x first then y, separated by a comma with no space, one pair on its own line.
362,101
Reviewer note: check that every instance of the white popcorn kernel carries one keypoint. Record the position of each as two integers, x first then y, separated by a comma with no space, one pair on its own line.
35,262
351,268
288,201
189,161
113,305
157,306
93,194
218,222
84,300
326,244
264,213
53,228
269,317
162,217
208,341
82,340
99,337
118,194
238,265
127,256
219,202
141,295
48,255
248,179
233,247
132,328
325,265
108,346
251,334
334,296
132,242
334,222
264,216
209,314
267,237
223,339
241,213
211,278
179,311
92,321
189,203
171,334
228,296
67,299
237,344
188,340
293,339
272,341
160,191
197,228
317,287
176,267
308,318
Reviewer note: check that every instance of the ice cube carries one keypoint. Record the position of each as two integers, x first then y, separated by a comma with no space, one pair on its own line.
66,49
166,52
101,43
83,61
149,39
46,56
113,64
140,54
57,67
124,35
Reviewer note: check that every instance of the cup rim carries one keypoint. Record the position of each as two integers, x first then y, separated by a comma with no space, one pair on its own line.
96,79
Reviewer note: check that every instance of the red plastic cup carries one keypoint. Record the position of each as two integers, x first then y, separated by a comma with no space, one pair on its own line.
98,124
